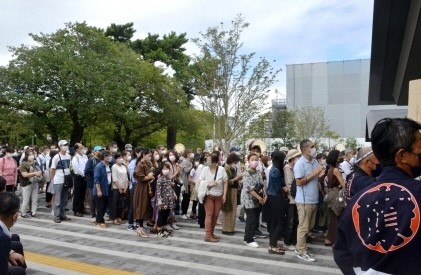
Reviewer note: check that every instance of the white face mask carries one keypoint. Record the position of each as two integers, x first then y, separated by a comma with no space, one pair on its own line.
269,163
129,158
31,157
83,152
172,158
165,172
114,150
196,163
65,148
313,152
120,161
323,162
9,155
191,155
156,157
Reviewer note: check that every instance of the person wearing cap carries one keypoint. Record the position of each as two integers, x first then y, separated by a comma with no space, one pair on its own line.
290,238
60,166
89,175
79,163
365,172
128,147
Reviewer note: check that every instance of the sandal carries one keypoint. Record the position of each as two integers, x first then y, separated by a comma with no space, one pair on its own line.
116,222
141,233
276,250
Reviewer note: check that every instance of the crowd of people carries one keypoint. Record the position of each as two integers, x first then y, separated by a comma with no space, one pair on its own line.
293,193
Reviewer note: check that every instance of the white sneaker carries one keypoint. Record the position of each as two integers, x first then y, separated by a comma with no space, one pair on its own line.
306,257
174,226
253,244
184,217
290,247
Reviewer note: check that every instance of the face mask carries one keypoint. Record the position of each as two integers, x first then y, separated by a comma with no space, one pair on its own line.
376,172
15,154
269,163
313,152
191,155
65,148
31,157
323,162
114,150
165,172
129,158
196,163
83,152
172,158
120,161
156,157
164,159
208,163
253,164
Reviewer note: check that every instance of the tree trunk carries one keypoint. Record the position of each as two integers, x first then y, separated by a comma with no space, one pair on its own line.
171,136
77,131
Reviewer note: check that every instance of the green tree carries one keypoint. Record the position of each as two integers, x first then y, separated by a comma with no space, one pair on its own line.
283,126
229,83
260,127
121,33
310,122
351,143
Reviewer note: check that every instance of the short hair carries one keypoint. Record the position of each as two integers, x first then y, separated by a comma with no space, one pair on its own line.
233,157
252,154
332,158
118,154
165,164
304,144
9,150
9,204
2,184
389,135
214,157
320,156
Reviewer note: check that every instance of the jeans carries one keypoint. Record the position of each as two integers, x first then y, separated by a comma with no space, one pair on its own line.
61,196
79,194
101,206
252,219
213,205
30,192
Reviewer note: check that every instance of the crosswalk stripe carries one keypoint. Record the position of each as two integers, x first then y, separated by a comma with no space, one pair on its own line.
49,269
177,249
147,258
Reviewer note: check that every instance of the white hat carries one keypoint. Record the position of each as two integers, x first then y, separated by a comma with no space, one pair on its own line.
62,142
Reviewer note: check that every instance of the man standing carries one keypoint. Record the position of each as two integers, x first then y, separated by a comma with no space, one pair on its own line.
78,163
9,212
346,167
60,166
89,175
307,172
379,232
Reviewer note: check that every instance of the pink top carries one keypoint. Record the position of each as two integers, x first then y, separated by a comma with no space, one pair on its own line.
9,170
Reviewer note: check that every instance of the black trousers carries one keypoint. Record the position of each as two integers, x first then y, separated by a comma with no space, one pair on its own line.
194,207
177,189
292,224
252,224
185,203
130,215
101,206
79,192
201,215
10,188
163,217
48,195
276,218
114,209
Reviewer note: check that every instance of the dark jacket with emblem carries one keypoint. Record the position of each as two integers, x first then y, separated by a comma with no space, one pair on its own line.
379,229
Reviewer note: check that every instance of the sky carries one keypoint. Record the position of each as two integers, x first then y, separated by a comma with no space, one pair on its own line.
288,31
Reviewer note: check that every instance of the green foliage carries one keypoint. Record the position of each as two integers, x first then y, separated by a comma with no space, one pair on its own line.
260,127
310,122
228,84
351,143
121,33
283,126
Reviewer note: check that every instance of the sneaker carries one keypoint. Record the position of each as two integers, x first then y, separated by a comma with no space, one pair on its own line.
184,217
57,220
93,219
101,225
306,257
253,244
264,225
25,216
174,226
131,227
305,252
35,216
65,218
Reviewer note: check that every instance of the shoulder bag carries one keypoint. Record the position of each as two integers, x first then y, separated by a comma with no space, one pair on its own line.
68,179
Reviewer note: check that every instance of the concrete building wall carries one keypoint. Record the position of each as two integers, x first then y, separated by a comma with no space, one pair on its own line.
340,87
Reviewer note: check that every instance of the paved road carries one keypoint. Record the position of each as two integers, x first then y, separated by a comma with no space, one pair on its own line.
185,253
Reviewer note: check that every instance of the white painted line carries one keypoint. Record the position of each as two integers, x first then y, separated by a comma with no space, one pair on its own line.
183,250
115,253
50,269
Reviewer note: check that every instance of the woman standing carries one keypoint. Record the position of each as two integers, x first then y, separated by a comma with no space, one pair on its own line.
142,202
230,206
215,178
252,196
9,170
186,167
134,160
119,187
201,213
172,157
156,167
165,198
334,180
192,185
31,176
290,238
277,203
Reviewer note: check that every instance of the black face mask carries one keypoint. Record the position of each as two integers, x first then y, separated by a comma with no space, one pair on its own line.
416,171
376,172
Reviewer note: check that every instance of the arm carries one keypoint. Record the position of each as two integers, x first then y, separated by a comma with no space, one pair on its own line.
177,170
338,175
53,166
25,172
97,180
1,166
304,179
225,185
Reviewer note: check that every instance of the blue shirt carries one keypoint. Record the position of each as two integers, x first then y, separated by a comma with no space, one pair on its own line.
307,193
101,177
276,182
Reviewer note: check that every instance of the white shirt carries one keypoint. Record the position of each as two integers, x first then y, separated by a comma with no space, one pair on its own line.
267,175
107,168
5,229
58,165
345,168
221,176
79,163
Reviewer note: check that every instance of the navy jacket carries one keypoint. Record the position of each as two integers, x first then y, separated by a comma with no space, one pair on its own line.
89,171
357,181
100,176
276,182
379,229
5,246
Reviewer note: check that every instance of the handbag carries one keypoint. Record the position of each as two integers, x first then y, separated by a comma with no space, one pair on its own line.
68,179
203,188
335,200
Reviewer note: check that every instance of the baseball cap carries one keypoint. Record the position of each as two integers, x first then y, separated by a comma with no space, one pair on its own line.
62,142
98,148
128,147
